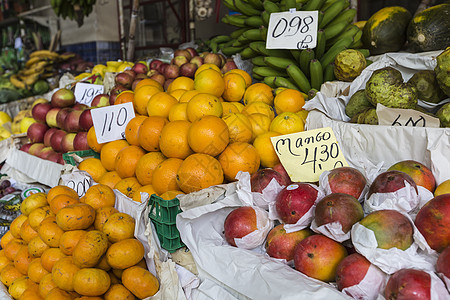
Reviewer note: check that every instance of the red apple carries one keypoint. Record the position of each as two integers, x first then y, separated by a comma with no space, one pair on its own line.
239,222
40,110
56,140
141,76
347,180
51,116
135,82
63,98
115,91
408,284
212,58
36,132
351,271
61,116
86,120
124,79
179,60
391,229
419,173
433,221
389,182
197,60
100,100
159,78
140,68
54,156
443,262
72,121
80,141
281,245
294,201
191,51
80,106
155,63
280,169
167,83
25,147
131,73
45,152
162,68
60,159
229,65
188,70
35,148
338,207
223,60
262,178
47,136
182,52
67,142
318,256
172,71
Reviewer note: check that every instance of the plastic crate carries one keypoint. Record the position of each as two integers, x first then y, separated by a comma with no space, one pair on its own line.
163,214
84,153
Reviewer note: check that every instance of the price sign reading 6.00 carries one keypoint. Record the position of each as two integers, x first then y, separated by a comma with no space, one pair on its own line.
292,30
110,121
305,155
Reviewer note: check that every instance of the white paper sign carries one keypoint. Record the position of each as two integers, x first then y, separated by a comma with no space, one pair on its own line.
79,181
292,30
110,121
404,117
85,92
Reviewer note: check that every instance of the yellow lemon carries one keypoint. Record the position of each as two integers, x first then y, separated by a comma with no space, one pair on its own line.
4,118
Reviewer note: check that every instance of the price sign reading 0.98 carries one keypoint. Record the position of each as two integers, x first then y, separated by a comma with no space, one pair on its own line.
305,155
86,92
292,30
110,121
79,181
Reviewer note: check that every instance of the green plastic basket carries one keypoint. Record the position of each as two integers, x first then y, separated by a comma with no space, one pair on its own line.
163,214
84,153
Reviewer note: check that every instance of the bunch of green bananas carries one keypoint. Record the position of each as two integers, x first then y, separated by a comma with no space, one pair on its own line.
73,9
304,70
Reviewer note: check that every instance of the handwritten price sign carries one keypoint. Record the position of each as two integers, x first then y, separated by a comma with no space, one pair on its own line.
305,155
292,30
79,181
405,117
110,121
85,92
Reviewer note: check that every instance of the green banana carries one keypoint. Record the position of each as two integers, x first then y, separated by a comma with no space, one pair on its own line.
298,77
228,51
219,39
316,70
331,53
312,93
284,82
296,54
331,12
306,56
271,7
263,32
313,5
268,71
241,41
328,73
234,20
332,31
258,61
252,34
237,33
257,4
270,80
346,16
248,53
365,52
253,21
321,44
258,77
214,46
226,44
327,4
349,31
246,8
260,46
279,62
229,4
265,17
290,4
357,43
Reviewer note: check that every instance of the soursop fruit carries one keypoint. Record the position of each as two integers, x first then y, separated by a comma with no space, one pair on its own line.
348,64
357,103
444,115
427,86
368,116
442,71
386,87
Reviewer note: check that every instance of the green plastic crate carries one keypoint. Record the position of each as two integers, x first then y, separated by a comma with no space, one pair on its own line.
163,214
84,153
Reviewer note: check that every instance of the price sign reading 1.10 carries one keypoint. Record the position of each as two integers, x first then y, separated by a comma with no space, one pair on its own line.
305,155
110,121
292,30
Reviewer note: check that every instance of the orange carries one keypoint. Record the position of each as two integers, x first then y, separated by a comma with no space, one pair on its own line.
149,132
143,189
187,96
124,97
208,135
229,107
209,81
146,165
92,140
26,232
32,202
132,129
50,257
3,260
239,127
100,195
264,146
91,282
9,273
60,202
203,104
36,271
60,189
177,94
140,282
118,292
260,124
49,232
169,195
148,82
259,107
288,100
173,141
178,112
234,87
303,115
164,175
258,92
110,179
206,67
94,167
63,272
19,286
37,246
245,75
13,247
6,238
287,122
128,186
46,285
109,153
199,171
142,97
160,104
127,159
16,224
22,260
181,82
239,105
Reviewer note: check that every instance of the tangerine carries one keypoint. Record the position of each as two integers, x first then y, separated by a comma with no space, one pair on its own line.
173,140
209,81
164,175
94,167
150,131
203,104
208,135
160,104
146,165
132,129
109,152
258,92
268,156
127,159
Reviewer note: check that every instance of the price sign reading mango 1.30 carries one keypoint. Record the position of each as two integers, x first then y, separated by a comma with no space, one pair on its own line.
86,92
292,30
110,121
305,155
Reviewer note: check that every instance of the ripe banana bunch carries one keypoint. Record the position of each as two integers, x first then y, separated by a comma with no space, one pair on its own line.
304,70
73,9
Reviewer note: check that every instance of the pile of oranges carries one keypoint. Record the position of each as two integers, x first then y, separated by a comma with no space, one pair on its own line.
199,132
66,247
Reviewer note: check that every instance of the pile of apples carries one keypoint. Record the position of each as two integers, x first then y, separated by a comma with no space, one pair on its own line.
6,188
331,259
61,126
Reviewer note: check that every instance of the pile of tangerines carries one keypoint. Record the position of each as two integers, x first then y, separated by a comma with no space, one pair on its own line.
66,247
198,133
